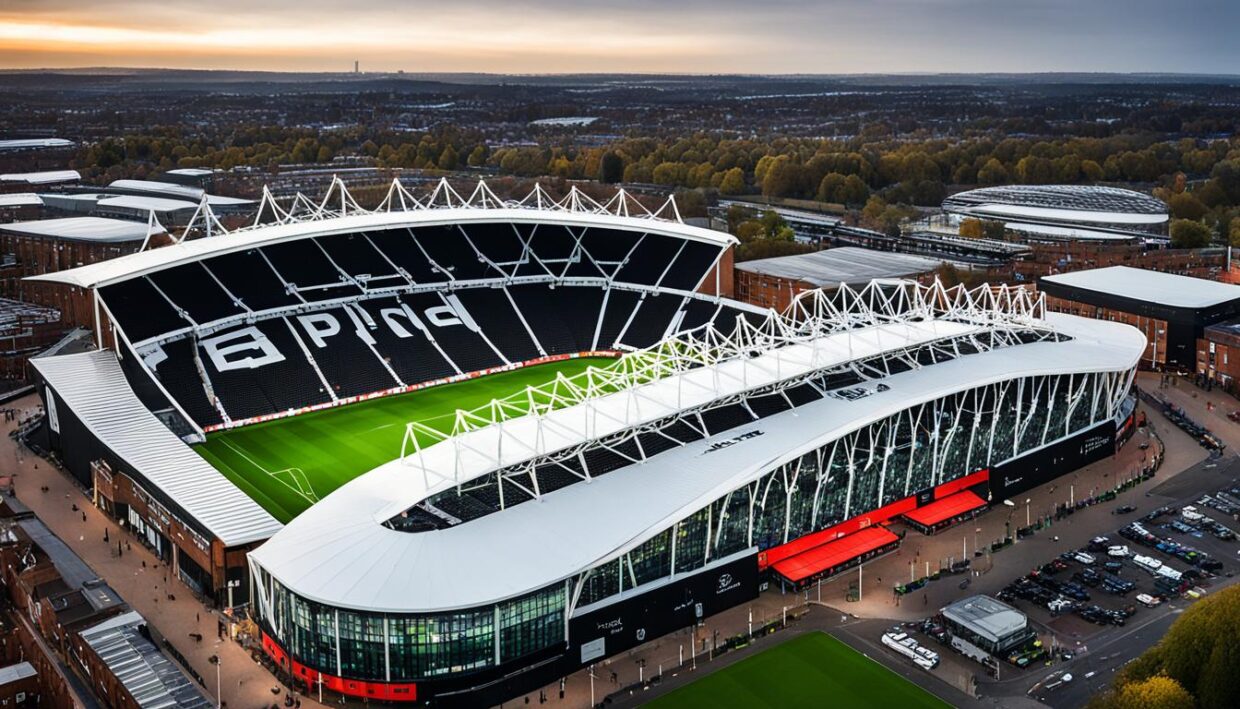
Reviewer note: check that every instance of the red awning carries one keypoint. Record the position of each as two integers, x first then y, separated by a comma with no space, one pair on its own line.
946,508
833,554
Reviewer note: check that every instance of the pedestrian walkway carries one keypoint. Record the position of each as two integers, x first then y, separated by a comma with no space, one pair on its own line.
138,576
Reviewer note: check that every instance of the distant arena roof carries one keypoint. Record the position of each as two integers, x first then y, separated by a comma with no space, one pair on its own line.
1166,289
987,617
98,229
1060,203
848,264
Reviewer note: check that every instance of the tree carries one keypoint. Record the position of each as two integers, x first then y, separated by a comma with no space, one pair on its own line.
1159,692
447,159
1184,205
992,173
611,168
971,228
733,182
1233,232
1188,234
478,157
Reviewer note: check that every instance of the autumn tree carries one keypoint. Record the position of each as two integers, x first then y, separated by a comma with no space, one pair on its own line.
1189,234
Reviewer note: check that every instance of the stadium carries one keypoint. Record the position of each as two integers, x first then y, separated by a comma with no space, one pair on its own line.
392,433
1064,212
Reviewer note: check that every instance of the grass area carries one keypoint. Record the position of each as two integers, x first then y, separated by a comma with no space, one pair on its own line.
813,670
288,464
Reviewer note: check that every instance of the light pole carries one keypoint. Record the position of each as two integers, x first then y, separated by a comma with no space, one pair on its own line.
1027,501
215,660
591,685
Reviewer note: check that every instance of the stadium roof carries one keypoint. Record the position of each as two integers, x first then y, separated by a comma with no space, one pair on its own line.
339,553
98,229
94,387
191,172
21,199
846,264
25,143
141,203
1166,289
146,673
1071,232
987,617
573,211
1076,203
42,178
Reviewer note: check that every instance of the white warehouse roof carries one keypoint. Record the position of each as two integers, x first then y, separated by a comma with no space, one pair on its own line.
1166,289
847,264
42,178
100,229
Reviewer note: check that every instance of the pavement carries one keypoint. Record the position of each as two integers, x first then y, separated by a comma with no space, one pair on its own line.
138,576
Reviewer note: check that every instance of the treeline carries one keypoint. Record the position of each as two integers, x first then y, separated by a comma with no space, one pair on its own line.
1199,179
1196,664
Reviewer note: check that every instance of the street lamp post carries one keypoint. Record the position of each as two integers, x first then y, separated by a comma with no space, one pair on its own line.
1027,501
215,660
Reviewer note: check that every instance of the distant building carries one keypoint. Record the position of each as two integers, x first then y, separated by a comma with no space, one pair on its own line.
1064,212
37,247
1172,311
774,282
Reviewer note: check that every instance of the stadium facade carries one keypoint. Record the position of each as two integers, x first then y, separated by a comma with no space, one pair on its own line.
1065,212
728,445
517,551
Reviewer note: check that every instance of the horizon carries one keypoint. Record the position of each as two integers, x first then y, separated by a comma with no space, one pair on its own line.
694,37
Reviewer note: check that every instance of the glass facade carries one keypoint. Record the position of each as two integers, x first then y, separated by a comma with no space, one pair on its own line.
388,647
895,457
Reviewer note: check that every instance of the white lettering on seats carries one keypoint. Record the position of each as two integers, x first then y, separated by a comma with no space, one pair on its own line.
442,316
222,348
389,316
319,327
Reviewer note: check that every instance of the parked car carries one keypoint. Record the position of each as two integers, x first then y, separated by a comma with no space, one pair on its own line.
1147,600
1084,558
1118,551
1125,509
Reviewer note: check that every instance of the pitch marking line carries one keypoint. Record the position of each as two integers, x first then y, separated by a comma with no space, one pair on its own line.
297,481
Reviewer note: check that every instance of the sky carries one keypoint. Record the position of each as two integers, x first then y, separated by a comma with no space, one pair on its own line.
670,36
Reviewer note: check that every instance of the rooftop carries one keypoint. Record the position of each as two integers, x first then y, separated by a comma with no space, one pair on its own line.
42,178
97,229
20,199
1166,289
848,264
27,143
146,673
1074,200
143,203
990,618
12,673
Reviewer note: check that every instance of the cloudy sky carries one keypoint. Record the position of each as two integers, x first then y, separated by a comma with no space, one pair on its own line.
693,36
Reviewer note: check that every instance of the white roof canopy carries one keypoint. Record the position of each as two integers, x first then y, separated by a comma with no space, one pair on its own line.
93,385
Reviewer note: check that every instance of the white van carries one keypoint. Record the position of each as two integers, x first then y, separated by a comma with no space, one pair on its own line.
1190,514
1118,551
1148,563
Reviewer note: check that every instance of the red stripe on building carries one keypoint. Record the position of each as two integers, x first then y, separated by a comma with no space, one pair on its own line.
387,691
832,554
954,486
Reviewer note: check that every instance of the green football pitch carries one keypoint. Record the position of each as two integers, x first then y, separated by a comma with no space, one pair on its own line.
288,464
812,670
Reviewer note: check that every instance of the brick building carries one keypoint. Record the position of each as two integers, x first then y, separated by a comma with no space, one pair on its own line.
1171,310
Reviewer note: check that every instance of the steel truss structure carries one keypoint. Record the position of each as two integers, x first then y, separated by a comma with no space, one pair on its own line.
626,401
338,202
